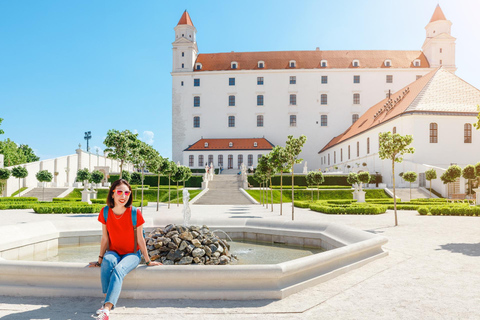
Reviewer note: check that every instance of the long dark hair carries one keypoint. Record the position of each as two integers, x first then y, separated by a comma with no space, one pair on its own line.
110,201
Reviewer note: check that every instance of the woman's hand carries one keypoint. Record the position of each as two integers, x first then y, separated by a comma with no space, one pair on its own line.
94,264
154,263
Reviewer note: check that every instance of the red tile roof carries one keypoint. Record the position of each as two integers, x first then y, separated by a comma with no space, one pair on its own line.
390,109
438,14
238,144
185,19
311,59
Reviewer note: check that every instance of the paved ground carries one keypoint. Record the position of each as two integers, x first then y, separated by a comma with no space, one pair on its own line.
432,272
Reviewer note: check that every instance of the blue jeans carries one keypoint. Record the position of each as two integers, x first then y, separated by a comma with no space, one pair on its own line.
114,268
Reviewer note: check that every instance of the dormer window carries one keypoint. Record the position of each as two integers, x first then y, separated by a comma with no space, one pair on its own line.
388,63
292,64
323,63
198,66
206,144
356,63
255,144
234,65
230,144
416,63
261,64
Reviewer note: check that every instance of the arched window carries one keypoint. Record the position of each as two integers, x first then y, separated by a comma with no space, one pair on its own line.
356,98
240,160
190,161
200,160
394,130
358,149
467,133
354,117
368,145
231,121
220,160
259,121
230,161
196,122
250,160
433,133
341,155
348,152
196,101
231,101
210,159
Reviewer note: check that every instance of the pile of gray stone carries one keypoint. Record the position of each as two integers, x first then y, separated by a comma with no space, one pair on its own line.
181,245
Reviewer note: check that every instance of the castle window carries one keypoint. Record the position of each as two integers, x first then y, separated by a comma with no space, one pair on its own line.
323,63
196,82
250,160
196,122
440,50
196,101
230,144
183,54
356,98
231,81
220,160
467,133
329,159
416,63
323,120
181,83
356,63
230,162
292,64
190,160
394,130
293,120
341,155
240,160
260,81
259,123
183,65
358,149
293,80
200,160
368,145
260,100
323,99
354,117
441,62
356,79
261,64
433,133
210,159
324,79
334,157
234,65
388,63
198,66
293,99
348,152
255,144
231,101
259,157
206,145
389,78
231,121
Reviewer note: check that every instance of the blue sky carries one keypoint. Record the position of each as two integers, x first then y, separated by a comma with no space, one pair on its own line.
67,67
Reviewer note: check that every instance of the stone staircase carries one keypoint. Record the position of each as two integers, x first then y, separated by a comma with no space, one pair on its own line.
50,193
404,193
223,189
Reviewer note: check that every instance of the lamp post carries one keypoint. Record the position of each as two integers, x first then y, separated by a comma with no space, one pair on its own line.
88,136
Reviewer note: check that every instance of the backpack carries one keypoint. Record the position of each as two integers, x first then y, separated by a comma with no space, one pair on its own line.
134,223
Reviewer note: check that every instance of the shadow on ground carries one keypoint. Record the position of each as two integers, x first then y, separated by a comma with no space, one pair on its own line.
468,249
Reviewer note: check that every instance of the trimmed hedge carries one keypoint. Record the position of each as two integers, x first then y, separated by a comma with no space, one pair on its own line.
300,180
348,209
152,180
66,199
452,210
18,199
68,209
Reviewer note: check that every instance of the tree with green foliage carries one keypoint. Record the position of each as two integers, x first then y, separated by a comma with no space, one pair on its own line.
393,147
28,153
352,178
126,175
315,178
293,148
157,165
96,176
410,176
1,131
182,173
363,178
44,176
266,166
453,173
430,175
279,159
119,145
140,153
4,175
468,173
83,175
170,170
19,173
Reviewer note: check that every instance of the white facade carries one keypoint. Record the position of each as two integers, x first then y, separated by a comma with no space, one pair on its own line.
346,97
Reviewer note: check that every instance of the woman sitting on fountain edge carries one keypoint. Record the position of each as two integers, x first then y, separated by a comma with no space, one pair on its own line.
116,257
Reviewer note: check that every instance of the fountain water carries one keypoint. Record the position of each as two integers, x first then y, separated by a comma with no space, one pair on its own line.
187,214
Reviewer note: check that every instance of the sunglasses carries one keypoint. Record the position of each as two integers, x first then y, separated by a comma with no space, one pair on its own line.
120,192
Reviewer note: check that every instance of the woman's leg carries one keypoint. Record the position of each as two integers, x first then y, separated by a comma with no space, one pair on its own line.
126,264
110,261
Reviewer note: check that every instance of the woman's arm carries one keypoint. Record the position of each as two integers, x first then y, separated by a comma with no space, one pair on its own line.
103,247
143,248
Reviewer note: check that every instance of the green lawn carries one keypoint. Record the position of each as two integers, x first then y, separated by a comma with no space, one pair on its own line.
306,195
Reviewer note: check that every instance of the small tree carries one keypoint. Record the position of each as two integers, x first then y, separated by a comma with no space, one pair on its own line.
453,173
410,176
4,175
279,159
125,175
468,173
96,176
136,180
352,178
430,175
393,147
293,148
180,174
267,166
363,178
315,178
119,146
170,171
19,173
157,164
83,175
44,176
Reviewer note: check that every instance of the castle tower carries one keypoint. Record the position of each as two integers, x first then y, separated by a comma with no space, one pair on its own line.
185,45
439,45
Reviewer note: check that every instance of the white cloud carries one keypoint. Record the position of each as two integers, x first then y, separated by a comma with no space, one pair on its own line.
148,137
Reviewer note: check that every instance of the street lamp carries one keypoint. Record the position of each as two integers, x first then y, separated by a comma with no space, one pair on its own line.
88,136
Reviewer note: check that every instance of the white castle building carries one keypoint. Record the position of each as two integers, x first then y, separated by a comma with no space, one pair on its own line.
270,95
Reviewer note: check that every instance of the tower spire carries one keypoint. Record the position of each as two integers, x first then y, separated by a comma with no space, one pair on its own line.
438,14
185,19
